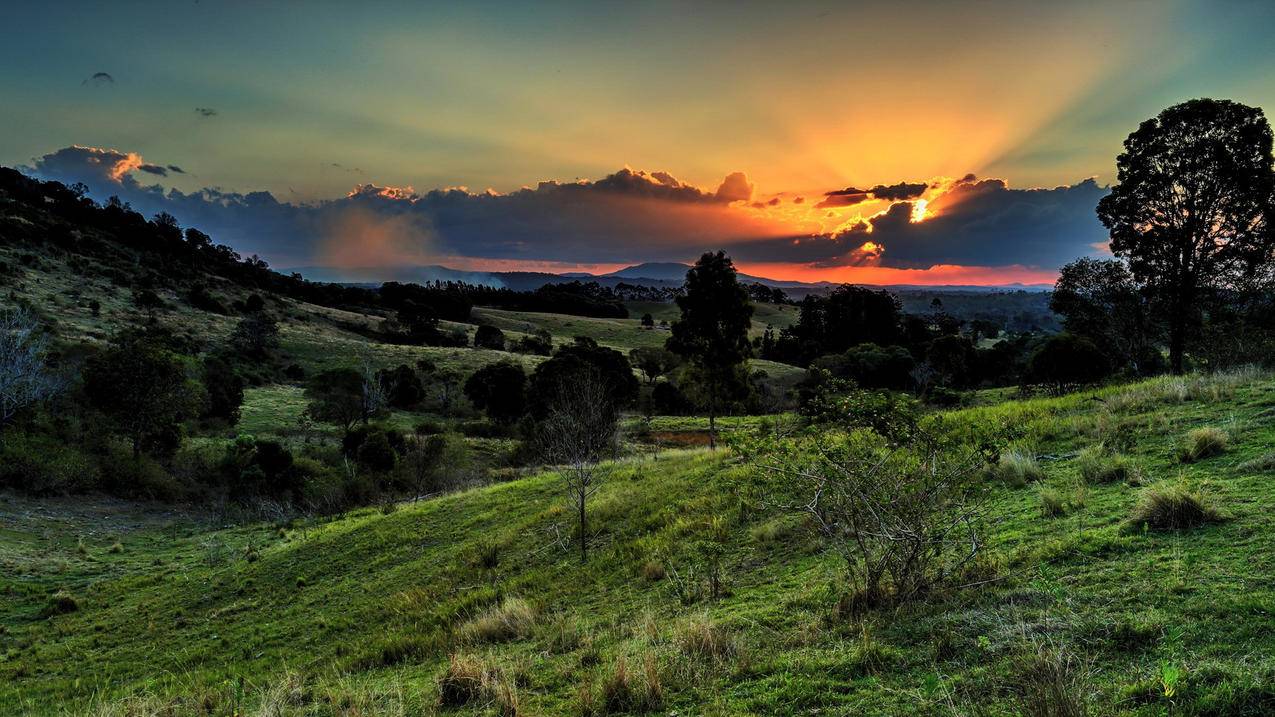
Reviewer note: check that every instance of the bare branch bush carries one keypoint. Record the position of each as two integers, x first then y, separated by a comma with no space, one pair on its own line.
25,378
580,429
905,518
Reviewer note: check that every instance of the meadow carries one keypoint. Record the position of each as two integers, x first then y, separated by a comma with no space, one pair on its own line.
474,602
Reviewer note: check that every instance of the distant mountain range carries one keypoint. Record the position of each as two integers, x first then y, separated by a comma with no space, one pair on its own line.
657,274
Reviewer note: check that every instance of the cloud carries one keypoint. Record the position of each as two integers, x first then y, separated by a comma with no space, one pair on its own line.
847,197
851,196
206,112
98,79
900,191
970,222
154,169
735,187
625,215
176,169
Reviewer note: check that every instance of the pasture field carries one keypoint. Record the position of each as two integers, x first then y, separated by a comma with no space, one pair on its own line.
479,600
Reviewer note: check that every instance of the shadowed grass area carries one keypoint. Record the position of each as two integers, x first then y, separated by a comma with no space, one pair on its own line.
377,612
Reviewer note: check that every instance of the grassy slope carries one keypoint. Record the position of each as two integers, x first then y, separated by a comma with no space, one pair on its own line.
366,607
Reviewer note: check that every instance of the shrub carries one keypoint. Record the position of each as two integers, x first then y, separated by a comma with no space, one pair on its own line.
1098,465
1017,468
905,519
1173,507
512,619
489,337
1202,443
1052,504
1053,683
701,638
60,603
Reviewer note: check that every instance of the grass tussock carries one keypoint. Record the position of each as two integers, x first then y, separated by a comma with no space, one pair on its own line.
1052,503
1173,507
61,603
653,571
512,619
1096,465
704,639
1053,683
1201,443
1017,468
623,690
1264,463
468,680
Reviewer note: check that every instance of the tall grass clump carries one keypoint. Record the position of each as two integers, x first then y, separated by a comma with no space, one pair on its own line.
1052,503
1173,507
704,639
1096,464
512,619
1017,467
624,690
468,680
1201,443
1053,683
1260,464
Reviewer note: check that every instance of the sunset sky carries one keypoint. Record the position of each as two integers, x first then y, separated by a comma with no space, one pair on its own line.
881,143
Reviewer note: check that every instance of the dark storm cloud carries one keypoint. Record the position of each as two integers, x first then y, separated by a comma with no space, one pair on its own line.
176,169
154,169
851,196
626,216
982,223
612,219
98,79
205,112
898,192
847,197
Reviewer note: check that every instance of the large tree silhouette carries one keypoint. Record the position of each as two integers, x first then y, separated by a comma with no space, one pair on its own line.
713,330
1190,207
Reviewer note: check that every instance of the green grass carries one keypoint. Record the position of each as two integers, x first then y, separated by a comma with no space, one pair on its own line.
365,609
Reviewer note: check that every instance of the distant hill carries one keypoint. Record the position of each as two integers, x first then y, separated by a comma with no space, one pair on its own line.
655,274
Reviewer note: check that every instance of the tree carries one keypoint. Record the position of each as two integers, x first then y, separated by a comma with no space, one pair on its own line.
712,332
142,386
489,337
570,361
256,335
648,321
579,428
653,361
499,390
1067,360
25,378
1190,208
401,386
1099,300
224,389
848,316
953,359
336,396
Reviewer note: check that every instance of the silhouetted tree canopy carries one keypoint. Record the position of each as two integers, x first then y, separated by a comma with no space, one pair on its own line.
1189,209
499,390
712,333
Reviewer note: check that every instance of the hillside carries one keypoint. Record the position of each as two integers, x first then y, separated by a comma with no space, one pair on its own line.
169,613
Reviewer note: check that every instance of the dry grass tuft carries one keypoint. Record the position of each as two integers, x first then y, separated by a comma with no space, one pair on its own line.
512,619
1173,507
1202,443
